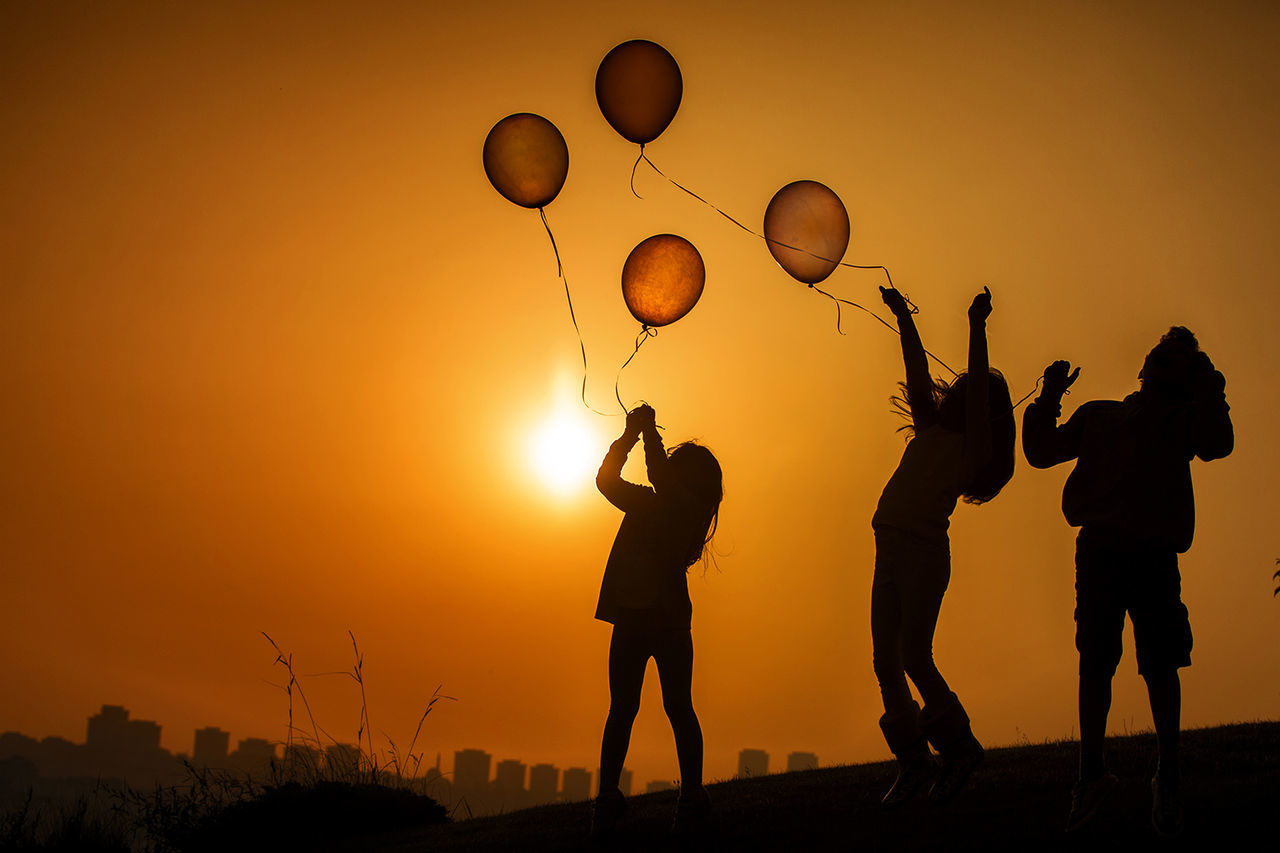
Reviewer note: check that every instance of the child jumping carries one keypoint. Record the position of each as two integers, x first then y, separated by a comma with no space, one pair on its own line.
961,446
1130,495
645,595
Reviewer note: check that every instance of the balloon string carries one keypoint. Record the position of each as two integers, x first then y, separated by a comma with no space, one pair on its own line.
838,301
754,233
646,332
572,316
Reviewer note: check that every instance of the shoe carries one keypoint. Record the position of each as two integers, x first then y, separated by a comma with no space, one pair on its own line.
1166,808
957,767
693,811
1087,798
606,811
914,776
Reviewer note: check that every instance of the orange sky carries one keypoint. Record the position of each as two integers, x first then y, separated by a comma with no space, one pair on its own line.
272,352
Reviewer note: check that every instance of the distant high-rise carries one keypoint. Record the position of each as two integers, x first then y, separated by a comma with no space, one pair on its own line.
471,770
111,731
253,755
544,783
577,784
801,761
753,762
211,746
342,761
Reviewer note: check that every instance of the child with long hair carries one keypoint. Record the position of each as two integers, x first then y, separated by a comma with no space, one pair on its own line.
961,446
645,595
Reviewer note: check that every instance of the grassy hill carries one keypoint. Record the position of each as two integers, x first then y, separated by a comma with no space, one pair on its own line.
1018,800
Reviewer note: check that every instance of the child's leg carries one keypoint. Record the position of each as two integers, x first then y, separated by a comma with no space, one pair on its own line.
1165,691
674,657
1095,704
886,646
628,654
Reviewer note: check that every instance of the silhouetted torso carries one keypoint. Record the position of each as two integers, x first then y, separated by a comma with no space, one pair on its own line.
921,495
645,577
1131,488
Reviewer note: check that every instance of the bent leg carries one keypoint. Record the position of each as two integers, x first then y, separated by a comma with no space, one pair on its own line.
674,657
628,655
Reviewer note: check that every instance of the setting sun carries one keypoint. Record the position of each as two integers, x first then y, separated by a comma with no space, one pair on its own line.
564,452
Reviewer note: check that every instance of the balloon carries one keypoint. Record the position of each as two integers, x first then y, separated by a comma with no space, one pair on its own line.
638,87
810,217
526,159
662,279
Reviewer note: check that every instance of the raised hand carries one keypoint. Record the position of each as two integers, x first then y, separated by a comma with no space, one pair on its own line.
894,300
1058,377
641,417
980,310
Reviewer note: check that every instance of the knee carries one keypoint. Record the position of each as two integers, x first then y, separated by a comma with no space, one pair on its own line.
624,710
918,661
678,710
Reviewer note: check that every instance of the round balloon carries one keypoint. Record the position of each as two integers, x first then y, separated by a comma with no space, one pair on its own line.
807,230
662,279
526,159
638,87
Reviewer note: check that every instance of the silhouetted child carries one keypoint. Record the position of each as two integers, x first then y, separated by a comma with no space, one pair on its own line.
1130,495
645,594
961,447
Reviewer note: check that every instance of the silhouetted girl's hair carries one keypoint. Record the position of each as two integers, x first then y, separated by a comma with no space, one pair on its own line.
948,401
699,472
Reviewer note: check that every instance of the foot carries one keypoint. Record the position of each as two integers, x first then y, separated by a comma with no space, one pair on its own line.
693,811
1166,808
606,811
1087,798
914,776
956,770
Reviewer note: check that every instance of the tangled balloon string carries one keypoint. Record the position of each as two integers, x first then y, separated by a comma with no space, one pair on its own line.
836,299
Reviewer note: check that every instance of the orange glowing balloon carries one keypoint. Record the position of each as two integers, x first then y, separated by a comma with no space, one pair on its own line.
662,279
807,230
526,159
638,88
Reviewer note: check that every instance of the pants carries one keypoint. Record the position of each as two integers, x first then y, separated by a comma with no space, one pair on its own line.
632,645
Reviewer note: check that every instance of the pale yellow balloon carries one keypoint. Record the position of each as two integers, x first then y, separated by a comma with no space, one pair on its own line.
807,230
662,279
526,159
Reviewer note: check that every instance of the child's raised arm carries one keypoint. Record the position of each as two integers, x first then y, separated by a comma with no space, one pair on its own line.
977,427
919,383
625,496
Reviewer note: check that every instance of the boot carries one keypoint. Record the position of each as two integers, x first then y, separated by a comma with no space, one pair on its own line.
916,766
947,728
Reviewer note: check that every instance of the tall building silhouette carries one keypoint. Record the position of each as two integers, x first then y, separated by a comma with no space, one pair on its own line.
577,784
544,783
111,731
801,761
253,755
753,762
508,785
211,747
471,770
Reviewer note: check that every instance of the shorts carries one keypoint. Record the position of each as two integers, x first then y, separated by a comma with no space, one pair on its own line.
1144,584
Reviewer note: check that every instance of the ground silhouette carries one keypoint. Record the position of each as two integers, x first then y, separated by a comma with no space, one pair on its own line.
1018,800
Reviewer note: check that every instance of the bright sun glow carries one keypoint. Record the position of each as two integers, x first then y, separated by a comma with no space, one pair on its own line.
564,453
